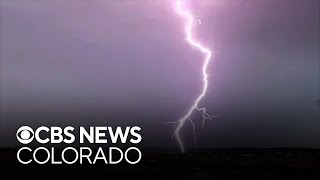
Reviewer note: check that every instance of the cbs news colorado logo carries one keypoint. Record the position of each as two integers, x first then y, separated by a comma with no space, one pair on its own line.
92,135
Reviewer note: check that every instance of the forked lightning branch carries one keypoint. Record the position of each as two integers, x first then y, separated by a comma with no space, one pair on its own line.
189,22
93,135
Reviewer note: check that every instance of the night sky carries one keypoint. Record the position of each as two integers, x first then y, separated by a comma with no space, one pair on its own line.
110,63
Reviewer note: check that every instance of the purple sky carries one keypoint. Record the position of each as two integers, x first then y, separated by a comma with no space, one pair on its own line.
103,62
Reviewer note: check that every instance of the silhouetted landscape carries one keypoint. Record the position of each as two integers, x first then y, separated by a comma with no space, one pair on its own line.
216,78
242,163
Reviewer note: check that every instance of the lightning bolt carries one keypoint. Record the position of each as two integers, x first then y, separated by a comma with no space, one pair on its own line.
189,22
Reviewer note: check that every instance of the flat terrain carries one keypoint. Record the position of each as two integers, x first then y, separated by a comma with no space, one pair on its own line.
217,164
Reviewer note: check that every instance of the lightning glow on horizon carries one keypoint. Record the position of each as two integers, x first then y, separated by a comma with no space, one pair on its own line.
189,22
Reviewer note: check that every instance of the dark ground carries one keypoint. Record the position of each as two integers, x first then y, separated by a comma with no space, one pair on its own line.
217,164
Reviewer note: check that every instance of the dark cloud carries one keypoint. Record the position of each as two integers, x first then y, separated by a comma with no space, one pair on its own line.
105,62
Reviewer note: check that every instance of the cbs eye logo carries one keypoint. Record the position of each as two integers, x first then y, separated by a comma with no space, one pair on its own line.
25,134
